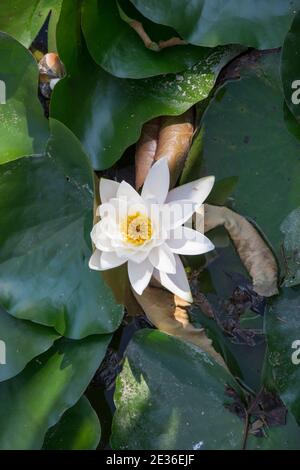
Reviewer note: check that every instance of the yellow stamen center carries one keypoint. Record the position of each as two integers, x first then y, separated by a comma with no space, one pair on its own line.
137,229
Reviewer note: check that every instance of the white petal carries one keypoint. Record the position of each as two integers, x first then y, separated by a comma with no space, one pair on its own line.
186,241
129,193
100,239
196,191
177,213
177,283
108,189
136,256
53,82
115,210
156,185
162,258
105,260
105,228
110,260
140,275
94,262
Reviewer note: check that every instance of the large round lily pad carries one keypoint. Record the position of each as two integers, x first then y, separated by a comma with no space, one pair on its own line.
256,23
168,397
106,113
35,400
46,207
121,52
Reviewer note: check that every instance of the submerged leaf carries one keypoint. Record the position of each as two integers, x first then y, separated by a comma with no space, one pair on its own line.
252,154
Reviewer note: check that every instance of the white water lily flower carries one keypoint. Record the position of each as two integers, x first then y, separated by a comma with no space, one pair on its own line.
147,231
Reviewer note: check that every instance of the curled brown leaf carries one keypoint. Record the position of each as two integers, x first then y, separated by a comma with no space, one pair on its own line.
254,252
174,141
168,136
145,150
169,314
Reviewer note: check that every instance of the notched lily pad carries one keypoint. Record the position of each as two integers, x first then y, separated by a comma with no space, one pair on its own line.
46,205
120,50
119,107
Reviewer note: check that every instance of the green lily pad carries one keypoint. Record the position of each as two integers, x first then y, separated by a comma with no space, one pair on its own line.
54,17
261,24
23,341
285,437
170,395
283,333
121,52
78,429
36,399
106,113
290,68
46,207
24,18
290,228
24,129
246,143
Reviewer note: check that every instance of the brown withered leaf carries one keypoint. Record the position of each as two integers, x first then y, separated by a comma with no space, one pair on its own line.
254,252
169,314
167,136
174,141
145,150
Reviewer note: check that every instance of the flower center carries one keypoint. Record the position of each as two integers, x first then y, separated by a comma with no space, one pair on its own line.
137,229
